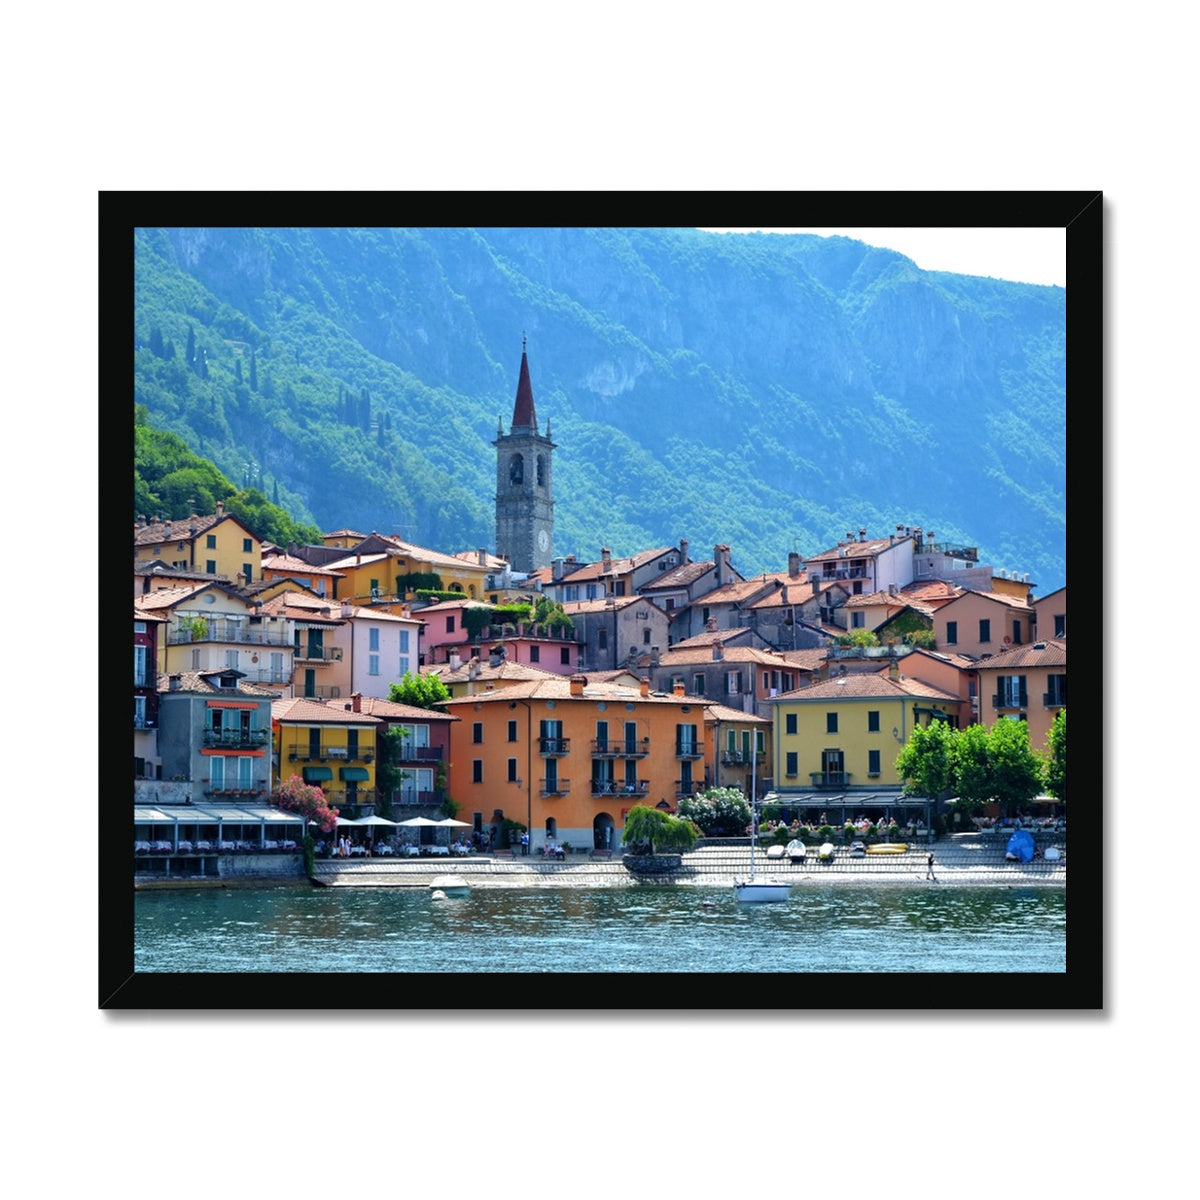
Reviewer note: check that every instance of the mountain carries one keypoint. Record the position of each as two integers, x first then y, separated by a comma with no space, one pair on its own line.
767,392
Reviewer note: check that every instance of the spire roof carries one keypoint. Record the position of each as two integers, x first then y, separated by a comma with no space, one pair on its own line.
523,412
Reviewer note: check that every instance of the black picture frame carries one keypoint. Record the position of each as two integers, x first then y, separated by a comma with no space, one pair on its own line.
1081,987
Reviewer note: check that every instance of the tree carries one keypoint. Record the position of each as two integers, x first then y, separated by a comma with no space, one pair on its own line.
421,691
1016,772
294,795
972,774
1056,759
926,761
253,371
717,810
648,830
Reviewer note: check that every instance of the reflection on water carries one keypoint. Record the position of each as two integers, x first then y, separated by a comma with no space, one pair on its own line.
836,929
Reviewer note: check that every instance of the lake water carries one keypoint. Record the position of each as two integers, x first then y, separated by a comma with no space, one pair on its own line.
841,928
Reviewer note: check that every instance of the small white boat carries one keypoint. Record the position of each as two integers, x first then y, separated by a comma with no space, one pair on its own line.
825,852
796,850
756,889
449,885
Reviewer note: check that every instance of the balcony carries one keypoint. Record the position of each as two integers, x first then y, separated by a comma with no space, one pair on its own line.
733,758
684,788
612,787
554,787
318,654
689,749
1055,699
236,739
203,629
411,753
554,747
251,791
322,692
632,748
830,779
1010,700
603,748
146,680
327,753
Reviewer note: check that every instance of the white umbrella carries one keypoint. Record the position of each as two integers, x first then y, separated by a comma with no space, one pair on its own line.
451,821
374,820
418,821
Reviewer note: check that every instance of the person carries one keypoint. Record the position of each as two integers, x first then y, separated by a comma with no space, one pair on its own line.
929,868
525,843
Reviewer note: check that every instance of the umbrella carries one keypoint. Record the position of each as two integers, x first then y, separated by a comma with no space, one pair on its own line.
418,821
374,820
451,821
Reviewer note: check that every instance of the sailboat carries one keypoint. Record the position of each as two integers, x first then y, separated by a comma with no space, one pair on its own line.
757,890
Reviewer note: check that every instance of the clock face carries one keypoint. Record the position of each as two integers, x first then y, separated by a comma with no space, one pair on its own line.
543,539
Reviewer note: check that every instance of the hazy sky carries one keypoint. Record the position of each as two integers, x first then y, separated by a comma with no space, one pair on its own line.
1023,255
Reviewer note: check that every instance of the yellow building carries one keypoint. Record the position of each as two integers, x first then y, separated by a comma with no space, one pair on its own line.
330,745
218,544
836,741
569,758
378,568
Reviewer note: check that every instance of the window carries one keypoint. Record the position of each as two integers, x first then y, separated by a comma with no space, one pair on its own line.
372,664
1060,625
352,743
790,723
951,633
831,722
477,770
985,630
1056,691
314,743
210,542
404,643
792,765
372,639
685,739
247,572
535,654
139,712
698,685
602,639
512,770
512,731
1010,691
477,732
231,660
449,624
857,620
140,676
733,682
405,665
210,566
646,636
601,736
246,546
374,587
564,656
1016,633
872,722
872,762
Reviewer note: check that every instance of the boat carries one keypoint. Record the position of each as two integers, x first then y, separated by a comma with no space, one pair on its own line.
825,852
449,885
758,889
888,848
857,848
796,850
1020,847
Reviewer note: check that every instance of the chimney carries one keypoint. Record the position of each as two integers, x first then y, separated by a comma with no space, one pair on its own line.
556,569
497,656
894,670
220,509
683,550
644,685
721,556
862,535
473,668
356,701
482,554
794,564
677,689
578,683
347,610
173,683
605,559
710,626
653,658
455,660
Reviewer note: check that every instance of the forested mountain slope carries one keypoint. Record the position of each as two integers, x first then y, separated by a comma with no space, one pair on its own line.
767,392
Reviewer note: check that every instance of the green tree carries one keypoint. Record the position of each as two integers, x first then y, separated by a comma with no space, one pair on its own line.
926,761
972,773
648,830
421,691
253,371
1056,758
1016,771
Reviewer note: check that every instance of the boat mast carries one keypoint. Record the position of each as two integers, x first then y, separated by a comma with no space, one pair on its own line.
753,810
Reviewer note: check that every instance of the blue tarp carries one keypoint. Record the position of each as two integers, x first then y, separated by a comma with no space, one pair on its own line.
1020,846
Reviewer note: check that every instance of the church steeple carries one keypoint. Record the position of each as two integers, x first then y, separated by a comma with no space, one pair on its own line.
524,416
524,489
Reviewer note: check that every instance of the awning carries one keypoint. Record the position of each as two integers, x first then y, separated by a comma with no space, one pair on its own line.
313,774
357,773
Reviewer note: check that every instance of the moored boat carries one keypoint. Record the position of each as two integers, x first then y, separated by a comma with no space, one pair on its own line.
888,848
756,889
450,885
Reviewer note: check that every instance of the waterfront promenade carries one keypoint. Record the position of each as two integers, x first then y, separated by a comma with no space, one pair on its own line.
962,859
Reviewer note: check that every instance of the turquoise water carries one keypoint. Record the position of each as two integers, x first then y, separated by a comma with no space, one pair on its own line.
879,929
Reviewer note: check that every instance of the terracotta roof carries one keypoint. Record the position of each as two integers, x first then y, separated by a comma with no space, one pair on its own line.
617,566
345,533
735,591
1051,653
574,607
679,576
863,685
315,712
792,592
722,712
485,671
141,615
806,660
289,563
712,637
676,657
998,597
391,711
931,591
168,597
873,600
201,682
558,687
864,549
301,607
453,605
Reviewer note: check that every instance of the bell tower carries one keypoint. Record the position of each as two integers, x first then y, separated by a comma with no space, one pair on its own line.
524,495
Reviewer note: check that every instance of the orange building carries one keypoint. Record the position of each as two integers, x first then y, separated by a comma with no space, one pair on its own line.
569,758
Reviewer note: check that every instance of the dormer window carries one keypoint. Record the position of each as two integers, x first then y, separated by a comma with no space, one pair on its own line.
229,680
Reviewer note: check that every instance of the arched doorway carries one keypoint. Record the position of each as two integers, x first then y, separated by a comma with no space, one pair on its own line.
604,835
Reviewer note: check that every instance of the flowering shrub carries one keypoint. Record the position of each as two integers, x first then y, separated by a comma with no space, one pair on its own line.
294,795
718,810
